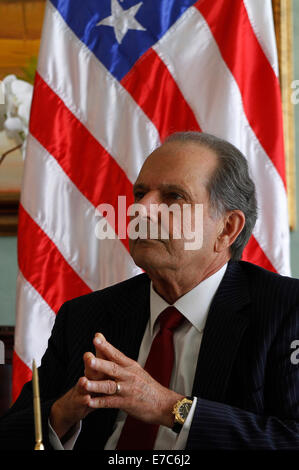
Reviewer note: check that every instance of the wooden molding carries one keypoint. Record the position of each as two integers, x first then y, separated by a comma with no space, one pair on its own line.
9,207
283,21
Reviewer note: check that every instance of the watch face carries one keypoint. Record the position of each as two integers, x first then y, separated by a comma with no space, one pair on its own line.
184,410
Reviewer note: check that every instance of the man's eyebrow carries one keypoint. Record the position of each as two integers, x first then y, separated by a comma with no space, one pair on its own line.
172,187
176,188
164,187
139,186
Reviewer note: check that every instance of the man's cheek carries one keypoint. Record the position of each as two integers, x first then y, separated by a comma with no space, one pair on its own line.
193,222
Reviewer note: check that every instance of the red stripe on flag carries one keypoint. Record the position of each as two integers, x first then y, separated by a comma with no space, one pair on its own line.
156,92
90,167
259,86
254,254
42,264
21,375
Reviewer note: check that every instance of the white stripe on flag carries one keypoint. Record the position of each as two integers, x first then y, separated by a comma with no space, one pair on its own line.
34,323
260,15
69,220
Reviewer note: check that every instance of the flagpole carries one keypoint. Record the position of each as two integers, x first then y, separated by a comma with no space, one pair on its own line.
36,407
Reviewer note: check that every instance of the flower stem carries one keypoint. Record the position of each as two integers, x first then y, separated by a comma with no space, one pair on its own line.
9,151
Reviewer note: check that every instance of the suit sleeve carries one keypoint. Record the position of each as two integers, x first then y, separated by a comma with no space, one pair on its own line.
17,425
221,426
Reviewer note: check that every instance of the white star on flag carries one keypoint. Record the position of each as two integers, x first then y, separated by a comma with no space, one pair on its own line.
122,20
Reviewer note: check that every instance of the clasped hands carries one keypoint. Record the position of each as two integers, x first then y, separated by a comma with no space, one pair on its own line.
140,395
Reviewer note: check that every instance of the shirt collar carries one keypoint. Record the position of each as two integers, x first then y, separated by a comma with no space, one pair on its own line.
194,305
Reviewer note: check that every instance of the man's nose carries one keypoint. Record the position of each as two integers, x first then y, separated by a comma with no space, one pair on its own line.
149,200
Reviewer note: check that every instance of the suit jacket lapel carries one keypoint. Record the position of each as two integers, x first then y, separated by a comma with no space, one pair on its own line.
225,326
131,311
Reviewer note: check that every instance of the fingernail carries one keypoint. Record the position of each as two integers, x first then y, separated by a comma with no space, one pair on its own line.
92,362
87,385
99,338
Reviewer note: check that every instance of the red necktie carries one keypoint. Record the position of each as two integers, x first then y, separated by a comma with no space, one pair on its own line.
137,435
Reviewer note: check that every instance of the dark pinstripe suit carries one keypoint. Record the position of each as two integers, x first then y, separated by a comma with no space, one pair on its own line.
247,386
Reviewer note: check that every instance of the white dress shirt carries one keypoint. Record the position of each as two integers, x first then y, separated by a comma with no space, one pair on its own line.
187,338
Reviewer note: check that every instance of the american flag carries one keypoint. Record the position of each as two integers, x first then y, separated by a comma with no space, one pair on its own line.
114,78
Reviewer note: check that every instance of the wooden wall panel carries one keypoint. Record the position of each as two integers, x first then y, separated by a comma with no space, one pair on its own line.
20,30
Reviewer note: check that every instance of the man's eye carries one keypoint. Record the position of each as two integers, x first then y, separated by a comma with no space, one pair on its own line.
138,195
175,196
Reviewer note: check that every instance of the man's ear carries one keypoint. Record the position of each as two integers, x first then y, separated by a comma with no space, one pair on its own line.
232,226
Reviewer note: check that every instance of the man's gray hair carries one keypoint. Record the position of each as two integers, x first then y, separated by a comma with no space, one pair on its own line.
230,186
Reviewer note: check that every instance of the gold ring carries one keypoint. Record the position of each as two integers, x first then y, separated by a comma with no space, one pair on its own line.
117,388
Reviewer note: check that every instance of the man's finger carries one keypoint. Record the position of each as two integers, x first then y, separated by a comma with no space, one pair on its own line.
81,386
110,352
101,337
90,369
105,387
88,357
114,401
111,369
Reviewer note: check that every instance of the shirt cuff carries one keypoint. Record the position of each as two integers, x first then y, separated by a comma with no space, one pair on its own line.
181,441
69,444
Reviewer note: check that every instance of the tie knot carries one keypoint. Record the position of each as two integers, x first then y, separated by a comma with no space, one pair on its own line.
170,318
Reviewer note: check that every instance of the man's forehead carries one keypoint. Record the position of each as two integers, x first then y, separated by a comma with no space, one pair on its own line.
195,151
185,157
168,186
179,168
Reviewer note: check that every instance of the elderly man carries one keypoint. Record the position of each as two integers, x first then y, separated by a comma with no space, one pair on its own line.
192,354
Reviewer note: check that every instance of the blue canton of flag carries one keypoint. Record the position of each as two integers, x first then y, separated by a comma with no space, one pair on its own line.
89,21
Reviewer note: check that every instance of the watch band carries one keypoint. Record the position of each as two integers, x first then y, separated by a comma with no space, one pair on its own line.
178,426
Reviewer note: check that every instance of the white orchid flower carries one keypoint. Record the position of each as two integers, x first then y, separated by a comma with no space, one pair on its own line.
14,127
18,97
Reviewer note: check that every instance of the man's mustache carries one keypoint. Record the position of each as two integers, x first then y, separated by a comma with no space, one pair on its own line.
148,228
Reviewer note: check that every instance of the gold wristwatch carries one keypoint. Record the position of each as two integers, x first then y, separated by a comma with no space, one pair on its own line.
181,410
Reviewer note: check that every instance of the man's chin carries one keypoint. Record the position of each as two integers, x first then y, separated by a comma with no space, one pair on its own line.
147,252
148,240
